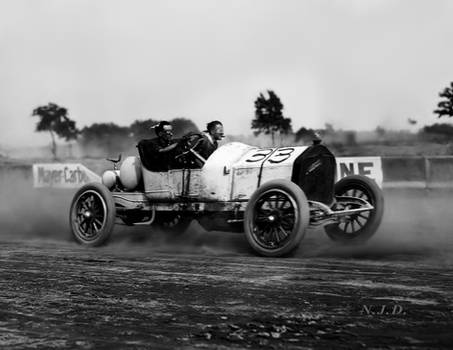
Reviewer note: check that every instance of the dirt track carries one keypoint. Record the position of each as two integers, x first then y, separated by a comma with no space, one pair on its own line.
208,290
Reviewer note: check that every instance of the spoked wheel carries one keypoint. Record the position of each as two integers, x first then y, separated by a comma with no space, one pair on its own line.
357,228
92,214
276,218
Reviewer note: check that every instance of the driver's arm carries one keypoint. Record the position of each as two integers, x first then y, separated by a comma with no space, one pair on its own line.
168,148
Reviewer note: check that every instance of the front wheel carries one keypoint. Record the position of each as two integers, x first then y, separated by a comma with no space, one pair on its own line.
92,214
357,228
276,218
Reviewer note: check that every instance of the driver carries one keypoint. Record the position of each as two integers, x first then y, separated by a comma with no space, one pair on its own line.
158,151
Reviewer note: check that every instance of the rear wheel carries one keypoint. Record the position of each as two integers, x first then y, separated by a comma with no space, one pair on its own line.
276,218
92,214
357,228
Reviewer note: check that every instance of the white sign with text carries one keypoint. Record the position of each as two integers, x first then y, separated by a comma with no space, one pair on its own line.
367,166
62,175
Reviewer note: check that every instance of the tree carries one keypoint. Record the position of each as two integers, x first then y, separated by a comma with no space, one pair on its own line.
380,131
350,138
105,138
440,133
269,117
445,107
182,126
54,119
305,135
141,129
439,129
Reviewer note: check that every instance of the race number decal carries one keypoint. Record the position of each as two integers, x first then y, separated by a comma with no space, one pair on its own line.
58,175
275,156
259,155
281,155
366,166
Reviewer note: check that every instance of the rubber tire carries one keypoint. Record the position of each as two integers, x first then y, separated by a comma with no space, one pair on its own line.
110,214
368,185
299,228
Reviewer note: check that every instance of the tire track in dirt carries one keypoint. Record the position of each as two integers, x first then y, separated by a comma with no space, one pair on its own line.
73,297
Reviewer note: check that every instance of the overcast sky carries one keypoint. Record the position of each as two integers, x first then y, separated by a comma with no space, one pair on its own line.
356,64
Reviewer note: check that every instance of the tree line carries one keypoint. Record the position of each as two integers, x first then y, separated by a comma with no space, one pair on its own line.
106,137
268,120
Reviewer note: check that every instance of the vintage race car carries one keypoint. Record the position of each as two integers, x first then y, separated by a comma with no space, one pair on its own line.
271,194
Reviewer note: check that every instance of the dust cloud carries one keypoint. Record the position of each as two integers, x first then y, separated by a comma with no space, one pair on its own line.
28,213
416,227
42,215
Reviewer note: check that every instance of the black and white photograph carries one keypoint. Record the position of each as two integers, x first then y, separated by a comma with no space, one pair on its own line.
226,174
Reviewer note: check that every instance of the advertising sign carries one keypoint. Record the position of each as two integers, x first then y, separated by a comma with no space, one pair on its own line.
367,166
60,175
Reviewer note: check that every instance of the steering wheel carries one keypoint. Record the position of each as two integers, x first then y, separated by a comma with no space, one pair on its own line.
190,141
187,150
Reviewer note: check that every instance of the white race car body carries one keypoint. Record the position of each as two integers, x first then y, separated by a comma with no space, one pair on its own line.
232,173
